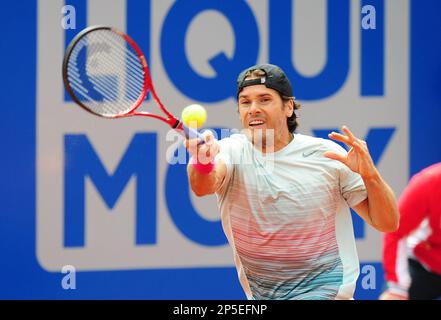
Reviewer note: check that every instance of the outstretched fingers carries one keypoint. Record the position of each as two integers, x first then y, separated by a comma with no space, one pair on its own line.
339,137
349,133
347,138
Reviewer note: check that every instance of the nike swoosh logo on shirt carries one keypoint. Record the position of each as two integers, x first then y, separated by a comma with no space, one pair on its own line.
307,154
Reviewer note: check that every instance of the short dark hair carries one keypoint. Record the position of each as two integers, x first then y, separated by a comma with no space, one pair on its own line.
291,121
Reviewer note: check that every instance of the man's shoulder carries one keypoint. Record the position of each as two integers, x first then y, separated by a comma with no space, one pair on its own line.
318,144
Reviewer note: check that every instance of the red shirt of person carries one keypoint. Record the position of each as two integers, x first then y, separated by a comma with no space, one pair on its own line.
412,254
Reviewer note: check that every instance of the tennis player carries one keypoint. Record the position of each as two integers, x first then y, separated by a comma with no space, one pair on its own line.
285,200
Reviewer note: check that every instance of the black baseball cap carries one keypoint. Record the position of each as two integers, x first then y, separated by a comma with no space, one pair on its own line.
275,79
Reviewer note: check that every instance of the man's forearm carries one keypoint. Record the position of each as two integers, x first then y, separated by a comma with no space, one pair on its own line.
383,210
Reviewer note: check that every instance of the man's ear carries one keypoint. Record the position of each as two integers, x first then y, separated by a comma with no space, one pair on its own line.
289,107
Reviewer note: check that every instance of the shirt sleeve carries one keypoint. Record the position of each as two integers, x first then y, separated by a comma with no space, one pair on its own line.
352,187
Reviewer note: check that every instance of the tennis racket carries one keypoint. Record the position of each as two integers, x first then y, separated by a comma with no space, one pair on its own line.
106,73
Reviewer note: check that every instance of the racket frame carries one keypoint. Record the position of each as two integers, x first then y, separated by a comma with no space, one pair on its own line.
171,120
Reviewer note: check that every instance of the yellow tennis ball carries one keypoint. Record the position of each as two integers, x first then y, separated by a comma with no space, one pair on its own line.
194,114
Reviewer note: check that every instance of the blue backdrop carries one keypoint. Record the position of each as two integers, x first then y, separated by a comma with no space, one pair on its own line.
21,277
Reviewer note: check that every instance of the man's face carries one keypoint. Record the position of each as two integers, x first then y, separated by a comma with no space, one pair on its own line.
260,109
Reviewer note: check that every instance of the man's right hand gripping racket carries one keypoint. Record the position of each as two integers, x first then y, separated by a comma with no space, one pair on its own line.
106,73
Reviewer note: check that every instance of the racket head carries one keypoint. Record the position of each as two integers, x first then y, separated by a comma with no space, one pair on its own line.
105,72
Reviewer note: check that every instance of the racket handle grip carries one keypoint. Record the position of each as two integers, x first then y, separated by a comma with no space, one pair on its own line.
190,133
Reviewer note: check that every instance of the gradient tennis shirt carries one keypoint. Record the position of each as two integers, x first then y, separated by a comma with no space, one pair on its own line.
286,216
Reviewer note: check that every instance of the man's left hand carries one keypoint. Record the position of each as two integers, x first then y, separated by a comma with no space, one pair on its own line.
358,158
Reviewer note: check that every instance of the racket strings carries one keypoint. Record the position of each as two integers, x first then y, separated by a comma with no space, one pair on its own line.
75,77
105,73
136,73
134,81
